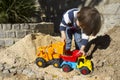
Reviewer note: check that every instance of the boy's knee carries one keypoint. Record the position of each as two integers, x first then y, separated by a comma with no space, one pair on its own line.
78,40
68,41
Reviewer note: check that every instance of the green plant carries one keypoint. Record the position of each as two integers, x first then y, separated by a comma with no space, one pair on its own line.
16,11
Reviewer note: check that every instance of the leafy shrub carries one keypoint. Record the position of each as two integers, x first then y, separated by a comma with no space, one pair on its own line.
16,11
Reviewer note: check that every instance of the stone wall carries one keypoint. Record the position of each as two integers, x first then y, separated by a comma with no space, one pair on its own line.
10,33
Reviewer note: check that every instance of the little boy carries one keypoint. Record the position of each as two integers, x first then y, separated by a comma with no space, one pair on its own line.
81,24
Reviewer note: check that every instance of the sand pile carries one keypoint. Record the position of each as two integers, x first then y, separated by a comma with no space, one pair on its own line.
25,49
19,60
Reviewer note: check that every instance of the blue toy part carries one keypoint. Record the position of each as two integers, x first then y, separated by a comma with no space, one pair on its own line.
71,64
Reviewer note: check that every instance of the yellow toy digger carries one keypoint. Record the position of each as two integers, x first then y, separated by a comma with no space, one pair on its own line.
47,55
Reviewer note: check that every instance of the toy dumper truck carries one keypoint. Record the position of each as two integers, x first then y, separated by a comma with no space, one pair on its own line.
76,61
47,55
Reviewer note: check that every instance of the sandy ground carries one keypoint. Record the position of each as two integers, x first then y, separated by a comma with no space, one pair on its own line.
104,51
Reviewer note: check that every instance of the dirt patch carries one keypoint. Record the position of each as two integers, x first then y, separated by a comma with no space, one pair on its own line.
104,51
105,54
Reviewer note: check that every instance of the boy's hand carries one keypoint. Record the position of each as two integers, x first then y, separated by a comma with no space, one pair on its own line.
82,50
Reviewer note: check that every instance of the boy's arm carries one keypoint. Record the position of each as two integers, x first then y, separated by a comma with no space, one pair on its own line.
82,49
84,43
63,36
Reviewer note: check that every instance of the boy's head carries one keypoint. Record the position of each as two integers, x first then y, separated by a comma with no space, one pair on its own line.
89,19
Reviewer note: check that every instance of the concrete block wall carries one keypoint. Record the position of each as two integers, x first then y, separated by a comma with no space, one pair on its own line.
10,33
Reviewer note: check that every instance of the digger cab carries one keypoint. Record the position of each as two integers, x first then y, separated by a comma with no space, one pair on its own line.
84,65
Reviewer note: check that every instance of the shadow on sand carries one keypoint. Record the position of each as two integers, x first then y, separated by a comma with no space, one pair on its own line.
100,42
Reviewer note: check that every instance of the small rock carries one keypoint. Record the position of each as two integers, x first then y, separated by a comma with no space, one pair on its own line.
29,72
13,70
1,67
6,66
6,71
19,71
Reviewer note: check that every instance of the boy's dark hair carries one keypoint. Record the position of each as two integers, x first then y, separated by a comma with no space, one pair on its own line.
90,20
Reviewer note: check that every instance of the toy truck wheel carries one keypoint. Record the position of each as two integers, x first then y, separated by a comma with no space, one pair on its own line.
84,70
66,68
40,62
56,63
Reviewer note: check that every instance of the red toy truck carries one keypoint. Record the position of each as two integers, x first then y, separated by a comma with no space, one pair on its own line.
76,61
